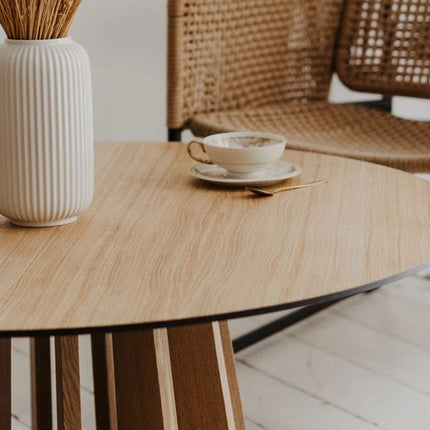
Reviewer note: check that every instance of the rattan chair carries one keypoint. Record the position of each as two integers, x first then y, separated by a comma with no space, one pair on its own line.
267,65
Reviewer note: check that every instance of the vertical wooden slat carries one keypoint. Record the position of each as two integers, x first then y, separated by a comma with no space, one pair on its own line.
104,383
165,379
230,365
204,378
137,388
5,383
68,384
41,402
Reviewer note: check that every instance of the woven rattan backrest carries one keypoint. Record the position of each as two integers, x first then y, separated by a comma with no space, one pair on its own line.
226,54
384,47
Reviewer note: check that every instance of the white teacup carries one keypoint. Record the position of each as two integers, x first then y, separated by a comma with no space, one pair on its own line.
242,152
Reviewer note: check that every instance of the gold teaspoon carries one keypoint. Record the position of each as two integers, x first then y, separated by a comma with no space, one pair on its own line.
270,192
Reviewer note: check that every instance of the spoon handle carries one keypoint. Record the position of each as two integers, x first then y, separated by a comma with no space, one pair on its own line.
295,187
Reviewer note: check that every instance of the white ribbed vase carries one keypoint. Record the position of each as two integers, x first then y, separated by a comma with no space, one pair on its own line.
46,132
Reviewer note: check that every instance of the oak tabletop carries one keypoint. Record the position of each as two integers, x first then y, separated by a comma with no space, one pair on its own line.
158,247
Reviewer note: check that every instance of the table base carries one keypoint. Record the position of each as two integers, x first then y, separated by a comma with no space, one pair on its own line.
176,378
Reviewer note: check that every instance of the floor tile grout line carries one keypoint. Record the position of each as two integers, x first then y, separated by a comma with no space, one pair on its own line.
18,420
386,291
360,366
379,330
261,426
401,339
20,352
87,390
323,401
409,299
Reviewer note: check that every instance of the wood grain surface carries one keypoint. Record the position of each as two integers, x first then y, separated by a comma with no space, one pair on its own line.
68,383
137,385
158,246
204,377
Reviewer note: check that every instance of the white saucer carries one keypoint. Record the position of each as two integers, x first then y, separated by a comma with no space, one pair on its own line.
276,172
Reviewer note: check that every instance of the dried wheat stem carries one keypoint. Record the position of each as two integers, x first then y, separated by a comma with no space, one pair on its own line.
37,19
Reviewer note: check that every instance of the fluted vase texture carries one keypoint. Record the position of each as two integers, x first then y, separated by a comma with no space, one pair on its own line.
46,132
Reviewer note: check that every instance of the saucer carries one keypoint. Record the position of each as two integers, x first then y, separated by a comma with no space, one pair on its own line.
276,172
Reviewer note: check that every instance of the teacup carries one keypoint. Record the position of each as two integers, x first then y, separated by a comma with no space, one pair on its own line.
241,153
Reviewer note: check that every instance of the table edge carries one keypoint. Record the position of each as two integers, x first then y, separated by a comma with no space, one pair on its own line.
216,317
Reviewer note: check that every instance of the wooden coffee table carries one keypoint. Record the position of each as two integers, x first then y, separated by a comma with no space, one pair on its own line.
160,259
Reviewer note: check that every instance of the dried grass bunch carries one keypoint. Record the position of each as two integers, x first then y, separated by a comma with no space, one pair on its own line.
37,19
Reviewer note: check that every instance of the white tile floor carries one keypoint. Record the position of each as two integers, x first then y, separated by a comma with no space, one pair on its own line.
363,364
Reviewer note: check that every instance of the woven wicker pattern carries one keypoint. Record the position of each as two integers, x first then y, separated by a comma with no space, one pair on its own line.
226,54
266,65
345,130
384,47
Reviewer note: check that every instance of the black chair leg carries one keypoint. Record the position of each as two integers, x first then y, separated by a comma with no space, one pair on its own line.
383,104
277,325
282,323
174,134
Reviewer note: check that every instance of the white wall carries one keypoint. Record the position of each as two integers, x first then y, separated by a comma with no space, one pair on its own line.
126,41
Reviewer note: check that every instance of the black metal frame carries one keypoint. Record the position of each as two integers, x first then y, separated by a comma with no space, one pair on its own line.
254,336
382,104
174,134
279,324
285,321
